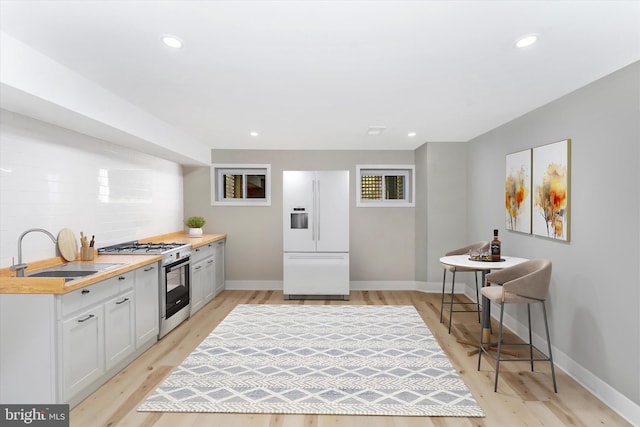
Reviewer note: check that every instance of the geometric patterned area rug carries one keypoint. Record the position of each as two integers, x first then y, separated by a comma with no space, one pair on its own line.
317,359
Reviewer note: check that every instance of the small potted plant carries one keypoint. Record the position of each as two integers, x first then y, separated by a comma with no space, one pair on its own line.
195,224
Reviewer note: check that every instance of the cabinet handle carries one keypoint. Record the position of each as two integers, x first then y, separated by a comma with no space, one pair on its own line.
85,291
86,318
178,302
210,261
197,250
122,302
121,278
198,267
149,268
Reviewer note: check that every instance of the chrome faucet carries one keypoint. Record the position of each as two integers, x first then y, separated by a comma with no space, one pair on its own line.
20,267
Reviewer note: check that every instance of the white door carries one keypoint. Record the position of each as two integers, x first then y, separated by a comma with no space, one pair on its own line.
298,189
332,194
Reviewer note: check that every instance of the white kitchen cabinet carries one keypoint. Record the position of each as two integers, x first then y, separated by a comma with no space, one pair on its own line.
202,276
119,329
101,336
76,341
219,274
209,278
147,304
197,287
28,367
202,252
82,350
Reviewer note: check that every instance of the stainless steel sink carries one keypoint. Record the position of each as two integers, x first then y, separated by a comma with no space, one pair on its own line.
83,266
74,270
69,273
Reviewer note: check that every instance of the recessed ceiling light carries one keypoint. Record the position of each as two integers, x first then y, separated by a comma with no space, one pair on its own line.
411,134
172,41
375,130
526,41
254,133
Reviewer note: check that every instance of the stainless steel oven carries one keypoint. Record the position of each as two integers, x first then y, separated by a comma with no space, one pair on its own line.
174,295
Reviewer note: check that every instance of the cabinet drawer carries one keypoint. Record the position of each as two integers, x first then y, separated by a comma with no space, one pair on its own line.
316,274
89,295
203,252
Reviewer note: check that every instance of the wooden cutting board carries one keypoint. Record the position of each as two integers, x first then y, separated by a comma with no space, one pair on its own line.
67,244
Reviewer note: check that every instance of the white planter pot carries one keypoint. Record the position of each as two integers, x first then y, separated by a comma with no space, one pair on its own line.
195,232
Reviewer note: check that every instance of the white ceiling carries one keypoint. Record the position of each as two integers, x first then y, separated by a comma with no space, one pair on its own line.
317,74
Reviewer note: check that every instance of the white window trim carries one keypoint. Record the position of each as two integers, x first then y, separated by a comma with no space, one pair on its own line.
409,203
216,168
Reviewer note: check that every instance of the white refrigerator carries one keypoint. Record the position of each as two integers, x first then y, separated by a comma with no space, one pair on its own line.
316,233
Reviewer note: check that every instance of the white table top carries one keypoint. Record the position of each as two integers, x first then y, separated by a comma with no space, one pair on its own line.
464,261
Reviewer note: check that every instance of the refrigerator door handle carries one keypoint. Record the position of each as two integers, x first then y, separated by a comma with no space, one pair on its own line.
318,210
313,217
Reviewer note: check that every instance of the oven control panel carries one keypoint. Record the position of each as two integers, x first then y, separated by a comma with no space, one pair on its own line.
174,256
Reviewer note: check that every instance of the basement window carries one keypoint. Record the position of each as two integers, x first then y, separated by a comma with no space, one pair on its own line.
385,185
240,184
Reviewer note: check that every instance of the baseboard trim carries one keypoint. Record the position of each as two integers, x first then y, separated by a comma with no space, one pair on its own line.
383,285
358,285
253,285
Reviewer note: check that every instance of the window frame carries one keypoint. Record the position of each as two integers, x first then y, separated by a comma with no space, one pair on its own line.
218,170
387,170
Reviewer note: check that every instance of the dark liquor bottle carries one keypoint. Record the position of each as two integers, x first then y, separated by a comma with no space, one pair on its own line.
495,247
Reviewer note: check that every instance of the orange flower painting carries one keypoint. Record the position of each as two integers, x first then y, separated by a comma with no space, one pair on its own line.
551,186
517,192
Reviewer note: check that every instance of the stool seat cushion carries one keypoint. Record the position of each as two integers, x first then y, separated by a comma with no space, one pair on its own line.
495,294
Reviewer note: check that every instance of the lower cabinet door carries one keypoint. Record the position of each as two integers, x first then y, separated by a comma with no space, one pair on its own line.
119,329
209,279
197,286
219,287
83,350
147,305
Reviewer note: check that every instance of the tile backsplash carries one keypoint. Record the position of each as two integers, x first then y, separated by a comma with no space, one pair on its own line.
54,178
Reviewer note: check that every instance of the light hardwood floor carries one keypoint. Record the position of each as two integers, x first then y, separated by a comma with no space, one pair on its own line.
523,398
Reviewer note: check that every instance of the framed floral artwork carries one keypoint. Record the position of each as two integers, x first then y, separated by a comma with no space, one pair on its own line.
518,192
551,185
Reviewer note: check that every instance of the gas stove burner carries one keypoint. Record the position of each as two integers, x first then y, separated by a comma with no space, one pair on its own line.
142,248
152,247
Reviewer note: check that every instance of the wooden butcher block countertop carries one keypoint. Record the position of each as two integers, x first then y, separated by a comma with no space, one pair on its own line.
182,237
9,284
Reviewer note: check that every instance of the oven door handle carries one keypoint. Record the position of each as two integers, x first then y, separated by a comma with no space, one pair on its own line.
181,262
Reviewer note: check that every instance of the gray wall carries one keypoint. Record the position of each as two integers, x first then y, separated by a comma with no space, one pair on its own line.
381,239
595,289
441,207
